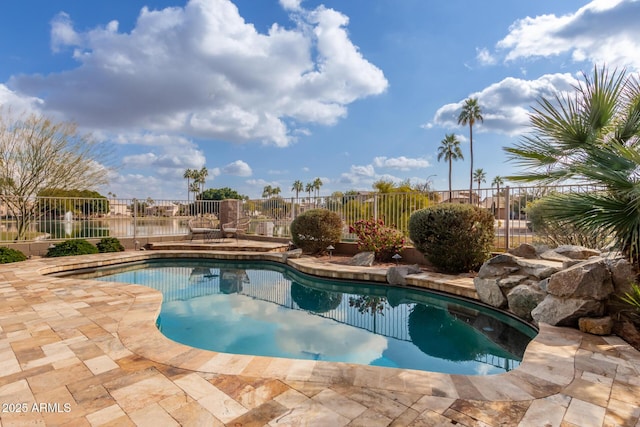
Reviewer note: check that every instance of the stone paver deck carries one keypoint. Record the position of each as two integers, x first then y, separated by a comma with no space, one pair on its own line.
87,353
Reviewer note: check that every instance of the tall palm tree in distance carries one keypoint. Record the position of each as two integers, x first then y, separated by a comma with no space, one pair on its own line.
470,113
297,187
309,188
449,150
188,175
317,183
479,176
497,182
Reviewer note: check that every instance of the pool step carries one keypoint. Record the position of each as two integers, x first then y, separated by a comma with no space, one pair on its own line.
225,245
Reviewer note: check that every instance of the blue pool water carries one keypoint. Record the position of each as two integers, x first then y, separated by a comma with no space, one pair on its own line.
269,309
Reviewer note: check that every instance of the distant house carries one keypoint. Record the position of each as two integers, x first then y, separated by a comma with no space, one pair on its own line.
117,208
497,205
162,208
459,197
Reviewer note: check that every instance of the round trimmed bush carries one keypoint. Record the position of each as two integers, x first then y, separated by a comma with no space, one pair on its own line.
109,244
455,238
8,255
315,229
72,247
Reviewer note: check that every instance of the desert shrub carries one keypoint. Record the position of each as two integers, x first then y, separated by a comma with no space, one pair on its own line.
109,244
72,247
454,238
554,232
633,297
8,255
375,237
315,229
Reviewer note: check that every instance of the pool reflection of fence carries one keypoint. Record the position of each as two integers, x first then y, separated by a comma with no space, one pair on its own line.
378,315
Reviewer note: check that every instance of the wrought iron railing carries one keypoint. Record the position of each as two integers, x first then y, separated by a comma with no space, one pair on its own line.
52,218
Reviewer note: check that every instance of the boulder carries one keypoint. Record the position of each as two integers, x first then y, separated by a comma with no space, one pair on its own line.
576,252
539,268
293,253
363,259
499,265
489,292
522,299
511,281
525,250
566,311
397,275
596,326
589,279
622,275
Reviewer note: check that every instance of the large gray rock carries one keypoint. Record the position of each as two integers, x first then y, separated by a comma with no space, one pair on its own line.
525,250
398,275
538,268
576,252
489,292
566,311
362,259
522,299
293,253
589,279
622,275
511,281
499,265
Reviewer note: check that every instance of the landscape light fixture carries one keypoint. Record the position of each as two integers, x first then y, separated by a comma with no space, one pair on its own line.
397,258
330,249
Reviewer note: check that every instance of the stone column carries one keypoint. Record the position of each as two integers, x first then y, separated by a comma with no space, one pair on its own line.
229,210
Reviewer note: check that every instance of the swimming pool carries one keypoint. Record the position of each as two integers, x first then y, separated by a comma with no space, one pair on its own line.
268,309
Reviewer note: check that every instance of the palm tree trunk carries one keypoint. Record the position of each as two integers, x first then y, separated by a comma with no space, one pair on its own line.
450,180
471,171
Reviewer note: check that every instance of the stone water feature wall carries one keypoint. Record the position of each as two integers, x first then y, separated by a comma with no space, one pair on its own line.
565,286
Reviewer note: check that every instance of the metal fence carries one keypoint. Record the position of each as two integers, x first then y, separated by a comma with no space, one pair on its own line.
52,218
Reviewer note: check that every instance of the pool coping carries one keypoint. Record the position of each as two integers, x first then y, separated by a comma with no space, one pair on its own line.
547,366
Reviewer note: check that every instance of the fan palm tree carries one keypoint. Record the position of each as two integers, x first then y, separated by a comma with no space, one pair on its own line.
297,187
470,113
267,191
317,183
309,188
449,150
188,175
590,136
497,182
479,176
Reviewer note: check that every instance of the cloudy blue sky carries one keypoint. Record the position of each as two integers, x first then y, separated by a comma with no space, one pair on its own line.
272,91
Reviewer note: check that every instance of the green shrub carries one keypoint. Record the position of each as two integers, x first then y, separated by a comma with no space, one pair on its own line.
556,232
8,255
109,244
72,247
315,229
454,238
374,236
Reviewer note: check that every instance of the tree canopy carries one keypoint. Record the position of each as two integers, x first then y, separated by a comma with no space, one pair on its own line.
38,153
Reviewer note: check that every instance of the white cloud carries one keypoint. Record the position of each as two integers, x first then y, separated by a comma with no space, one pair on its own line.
603,32
237,168
203,71
62,32
485,57
401,163
290,4
19,103
506,105
366,170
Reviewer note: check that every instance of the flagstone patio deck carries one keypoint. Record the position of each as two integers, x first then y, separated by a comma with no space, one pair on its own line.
82,352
